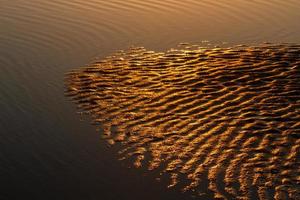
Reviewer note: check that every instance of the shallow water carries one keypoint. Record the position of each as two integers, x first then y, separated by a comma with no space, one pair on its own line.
46,152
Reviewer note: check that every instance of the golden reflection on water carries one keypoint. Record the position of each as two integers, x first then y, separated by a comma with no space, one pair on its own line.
229,116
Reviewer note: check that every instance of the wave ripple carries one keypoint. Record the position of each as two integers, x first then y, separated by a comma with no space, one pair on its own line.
228,116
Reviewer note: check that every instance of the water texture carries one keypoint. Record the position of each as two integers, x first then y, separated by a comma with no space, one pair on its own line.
227,115
46,152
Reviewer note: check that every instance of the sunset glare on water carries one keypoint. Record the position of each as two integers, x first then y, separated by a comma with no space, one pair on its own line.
148,99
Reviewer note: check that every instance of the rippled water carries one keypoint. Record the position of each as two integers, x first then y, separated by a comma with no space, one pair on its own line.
225,117
45,151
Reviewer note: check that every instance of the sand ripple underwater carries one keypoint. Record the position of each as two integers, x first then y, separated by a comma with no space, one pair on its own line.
229,117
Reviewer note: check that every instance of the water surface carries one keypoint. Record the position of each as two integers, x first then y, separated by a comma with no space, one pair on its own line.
46,152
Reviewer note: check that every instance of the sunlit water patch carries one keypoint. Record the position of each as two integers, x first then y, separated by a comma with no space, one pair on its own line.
227,116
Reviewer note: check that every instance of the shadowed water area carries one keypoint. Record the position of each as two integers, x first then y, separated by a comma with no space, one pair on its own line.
47,151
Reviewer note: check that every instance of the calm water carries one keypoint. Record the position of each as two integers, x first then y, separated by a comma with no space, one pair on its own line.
46,152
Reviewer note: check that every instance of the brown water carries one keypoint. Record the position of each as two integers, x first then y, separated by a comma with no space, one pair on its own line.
45,151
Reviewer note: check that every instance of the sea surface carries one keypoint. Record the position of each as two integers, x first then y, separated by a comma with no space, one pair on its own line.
47,151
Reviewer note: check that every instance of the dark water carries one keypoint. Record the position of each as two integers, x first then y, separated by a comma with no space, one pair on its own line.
46,152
